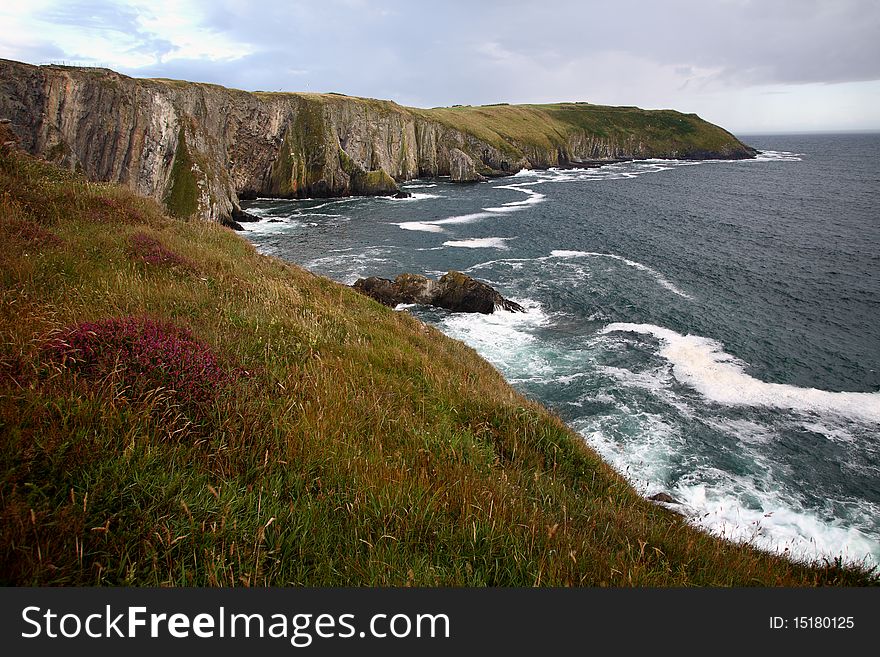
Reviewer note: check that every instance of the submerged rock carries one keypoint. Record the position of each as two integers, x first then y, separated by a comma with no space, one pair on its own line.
454,291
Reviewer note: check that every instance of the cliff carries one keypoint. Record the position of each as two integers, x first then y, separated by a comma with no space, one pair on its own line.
198,148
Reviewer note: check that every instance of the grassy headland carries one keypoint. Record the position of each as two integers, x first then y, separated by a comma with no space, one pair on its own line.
516,129
176,409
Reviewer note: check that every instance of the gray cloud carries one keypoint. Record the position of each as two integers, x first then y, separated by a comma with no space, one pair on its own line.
748,42
676,53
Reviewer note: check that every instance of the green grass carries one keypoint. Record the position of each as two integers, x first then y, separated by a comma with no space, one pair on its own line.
182,199
361,447
521,130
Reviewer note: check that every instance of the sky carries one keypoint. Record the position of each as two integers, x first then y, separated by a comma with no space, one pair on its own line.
749,65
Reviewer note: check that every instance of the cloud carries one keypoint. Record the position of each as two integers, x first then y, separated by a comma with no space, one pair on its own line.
679,53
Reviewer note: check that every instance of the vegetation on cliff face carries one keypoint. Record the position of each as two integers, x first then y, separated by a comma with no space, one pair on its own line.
300,165
182,199
332,441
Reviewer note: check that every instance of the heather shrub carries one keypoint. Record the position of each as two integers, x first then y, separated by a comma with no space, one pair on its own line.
33,233
106,209
146,355
151,251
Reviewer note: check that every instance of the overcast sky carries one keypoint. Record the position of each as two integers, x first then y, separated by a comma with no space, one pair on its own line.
751,66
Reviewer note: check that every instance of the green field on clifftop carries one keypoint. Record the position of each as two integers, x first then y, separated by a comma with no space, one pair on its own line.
176,409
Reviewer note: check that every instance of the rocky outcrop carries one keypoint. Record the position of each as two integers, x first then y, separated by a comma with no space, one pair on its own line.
454,291
199,148
665,498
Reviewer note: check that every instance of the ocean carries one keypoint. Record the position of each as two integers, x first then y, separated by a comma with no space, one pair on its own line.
712,329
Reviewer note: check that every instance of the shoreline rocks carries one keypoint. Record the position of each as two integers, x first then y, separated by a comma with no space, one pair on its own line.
454,291
665,498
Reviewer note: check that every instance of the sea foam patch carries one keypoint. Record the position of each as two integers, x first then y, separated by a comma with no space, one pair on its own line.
414,196
505,339
742,508
702,364
422,226
774,523
436,225
270,226
480,243
776,156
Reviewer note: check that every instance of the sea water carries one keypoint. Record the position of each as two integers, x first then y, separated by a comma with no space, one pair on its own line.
712,329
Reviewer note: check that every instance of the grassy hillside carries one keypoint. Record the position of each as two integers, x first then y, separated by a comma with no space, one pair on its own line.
510,128
176,409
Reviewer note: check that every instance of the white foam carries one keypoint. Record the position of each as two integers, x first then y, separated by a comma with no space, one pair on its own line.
502,210
568,254
484,213
777,525
420,186
462,218
336,201
268,227
504,338
533,196
702,364
745,431
420,225
480,243
835,434
739,508
348,266
415,196
776,156
632,263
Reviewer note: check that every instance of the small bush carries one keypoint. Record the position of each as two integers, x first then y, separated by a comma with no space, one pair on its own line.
33,233
146,354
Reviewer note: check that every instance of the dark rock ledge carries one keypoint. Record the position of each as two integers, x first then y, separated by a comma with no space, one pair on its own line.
454,291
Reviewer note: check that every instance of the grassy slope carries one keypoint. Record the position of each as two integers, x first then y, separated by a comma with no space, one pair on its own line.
363,448
546,127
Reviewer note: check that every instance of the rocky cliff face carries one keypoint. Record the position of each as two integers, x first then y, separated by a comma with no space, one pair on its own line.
199,148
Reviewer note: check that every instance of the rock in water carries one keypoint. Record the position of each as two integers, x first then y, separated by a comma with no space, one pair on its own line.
461,293
414,288
454,291
380,289
664,497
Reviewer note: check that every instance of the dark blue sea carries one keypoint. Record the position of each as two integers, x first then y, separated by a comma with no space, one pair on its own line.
712,329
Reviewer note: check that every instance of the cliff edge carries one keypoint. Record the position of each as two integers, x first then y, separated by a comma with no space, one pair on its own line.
198,148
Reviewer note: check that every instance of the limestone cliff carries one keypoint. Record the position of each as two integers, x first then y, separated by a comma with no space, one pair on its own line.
199,148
